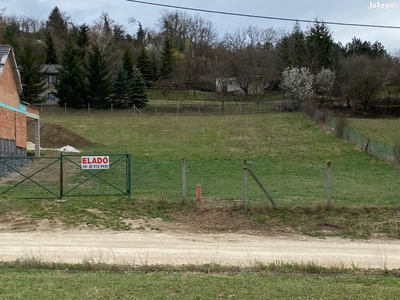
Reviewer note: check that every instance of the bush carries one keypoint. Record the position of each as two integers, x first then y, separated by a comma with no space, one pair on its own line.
340,126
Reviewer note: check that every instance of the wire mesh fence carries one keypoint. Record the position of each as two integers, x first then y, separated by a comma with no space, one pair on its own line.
168,108
289,183
382,151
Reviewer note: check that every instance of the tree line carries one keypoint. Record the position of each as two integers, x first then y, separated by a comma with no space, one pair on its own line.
103,62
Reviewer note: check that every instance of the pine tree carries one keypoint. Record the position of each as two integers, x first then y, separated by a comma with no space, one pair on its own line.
8,38
98,78
138,96
291,49
32,78
71,85
121,90
57,23
321,49
140,34
83,41
51,55
127,63
144,64
167,59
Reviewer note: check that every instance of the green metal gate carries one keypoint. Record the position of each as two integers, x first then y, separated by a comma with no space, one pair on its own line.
66,175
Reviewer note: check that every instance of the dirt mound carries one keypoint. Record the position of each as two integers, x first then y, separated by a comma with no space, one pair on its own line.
56,136
211,217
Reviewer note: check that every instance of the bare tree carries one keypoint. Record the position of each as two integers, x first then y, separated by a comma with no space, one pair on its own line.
362,80
188,33
252,55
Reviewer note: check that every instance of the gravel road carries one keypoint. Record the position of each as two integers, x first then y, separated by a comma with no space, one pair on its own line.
176,248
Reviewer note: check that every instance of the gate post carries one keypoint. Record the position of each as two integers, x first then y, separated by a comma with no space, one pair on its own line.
128,176
184,198
61,176
244,184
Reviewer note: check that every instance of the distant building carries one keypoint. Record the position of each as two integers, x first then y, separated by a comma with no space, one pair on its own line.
50,93
228,85
231,85
13,112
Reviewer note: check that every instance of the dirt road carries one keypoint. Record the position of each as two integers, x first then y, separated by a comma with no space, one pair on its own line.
174,247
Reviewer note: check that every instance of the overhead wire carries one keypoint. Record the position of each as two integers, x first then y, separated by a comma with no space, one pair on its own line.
261,17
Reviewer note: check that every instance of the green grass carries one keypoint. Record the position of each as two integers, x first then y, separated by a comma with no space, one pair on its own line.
188,96
385,131
286,151
178,106
323,221
167,283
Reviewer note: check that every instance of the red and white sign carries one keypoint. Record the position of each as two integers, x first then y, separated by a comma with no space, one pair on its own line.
95,162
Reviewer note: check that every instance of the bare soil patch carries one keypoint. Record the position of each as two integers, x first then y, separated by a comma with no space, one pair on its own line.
56,136
214,217
16,222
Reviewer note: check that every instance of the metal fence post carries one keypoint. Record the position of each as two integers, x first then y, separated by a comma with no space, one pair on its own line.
329,165
384,152
128,176
244,184
184,198
61,176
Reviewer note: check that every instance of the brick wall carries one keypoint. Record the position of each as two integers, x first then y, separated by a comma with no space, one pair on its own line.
7,124
8,88
13,127
12,123
20,130
33,110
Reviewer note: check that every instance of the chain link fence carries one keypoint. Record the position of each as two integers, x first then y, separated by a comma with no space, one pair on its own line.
168,108
382,151
288,183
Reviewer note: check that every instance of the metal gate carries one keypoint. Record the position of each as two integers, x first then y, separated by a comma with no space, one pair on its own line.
66,175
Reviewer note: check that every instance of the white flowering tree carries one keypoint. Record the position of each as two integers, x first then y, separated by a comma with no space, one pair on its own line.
297,85
324,81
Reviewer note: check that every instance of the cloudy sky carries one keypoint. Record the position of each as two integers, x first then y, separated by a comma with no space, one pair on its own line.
343,11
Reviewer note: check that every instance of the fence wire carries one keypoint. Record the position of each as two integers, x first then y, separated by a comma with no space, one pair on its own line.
173,108
289,183
57,177
382,151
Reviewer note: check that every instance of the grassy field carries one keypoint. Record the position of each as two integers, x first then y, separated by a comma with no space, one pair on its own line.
385,131
178,106
286,151
201,282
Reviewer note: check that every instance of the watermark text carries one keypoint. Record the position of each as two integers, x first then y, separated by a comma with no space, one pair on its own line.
381,5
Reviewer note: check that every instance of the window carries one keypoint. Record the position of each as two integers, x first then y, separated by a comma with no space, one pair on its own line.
52,79
51,96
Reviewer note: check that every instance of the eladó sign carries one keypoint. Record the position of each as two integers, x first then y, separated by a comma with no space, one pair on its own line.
95,162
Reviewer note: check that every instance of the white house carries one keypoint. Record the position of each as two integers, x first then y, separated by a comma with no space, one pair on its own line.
231,85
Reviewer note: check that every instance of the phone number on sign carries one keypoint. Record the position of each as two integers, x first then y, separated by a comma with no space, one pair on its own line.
95,167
